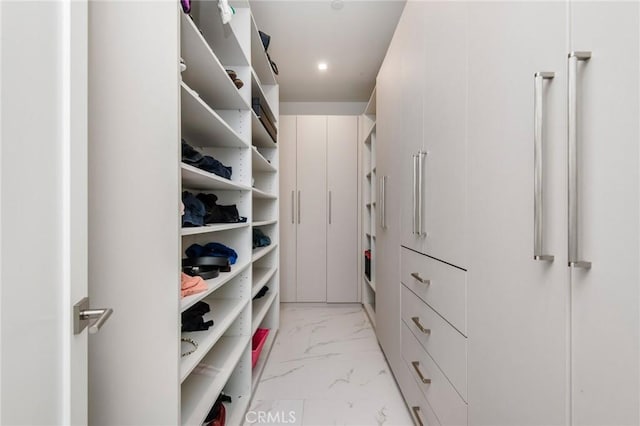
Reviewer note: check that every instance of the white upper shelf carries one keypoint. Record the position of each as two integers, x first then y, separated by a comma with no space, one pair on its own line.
257,92
260,136
222,38
202,126
259,59
195,178
205,74
259,163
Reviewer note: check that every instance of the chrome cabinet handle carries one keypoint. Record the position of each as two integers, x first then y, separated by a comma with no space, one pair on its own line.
417,276
299,207
329,207
416,413
421,156
538,117
82,316
293,207
574,58
416,366
416,321
415,195
383,202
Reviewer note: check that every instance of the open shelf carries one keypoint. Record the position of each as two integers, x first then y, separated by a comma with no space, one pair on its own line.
264,223
259,60
205,383
205,74
260,252
195,178
214,227
214,284
258,92
222,38
202,126
259,134
223,313
259,163
261,276
236,410
257,193
262,360
369,132
370,109
260,308
371,284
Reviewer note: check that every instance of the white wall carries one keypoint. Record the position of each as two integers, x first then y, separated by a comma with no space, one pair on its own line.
322,108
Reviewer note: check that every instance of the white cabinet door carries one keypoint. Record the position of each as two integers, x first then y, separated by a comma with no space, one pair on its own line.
444,220
287,151
605,298
389,159
311,200
517,306
342,236
409,71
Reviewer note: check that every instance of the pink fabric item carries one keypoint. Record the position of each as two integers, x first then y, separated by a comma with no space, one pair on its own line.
192,285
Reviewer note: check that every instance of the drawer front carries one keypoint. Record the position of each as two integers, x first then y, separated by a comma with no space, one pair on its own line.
420,410
445,344
447,405
446,290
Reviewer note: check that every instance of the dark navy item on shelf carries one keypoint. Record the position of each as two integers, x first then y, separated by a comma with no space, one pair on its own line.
259,239
193,157
216,213
193,318
194,210
213,250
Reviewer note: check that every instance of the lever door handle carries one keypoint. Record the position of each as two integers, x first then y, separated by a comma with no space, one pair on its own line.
82,316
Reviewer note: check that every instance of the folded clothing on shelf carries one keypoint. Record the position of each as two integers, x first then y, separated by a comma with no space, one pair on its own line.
194,210
259,239
212,250
207,163
193,318
215,213
261,293
192,285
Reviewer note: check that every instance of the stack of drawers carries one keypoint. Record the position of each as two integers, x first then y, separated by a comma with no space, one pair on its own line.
434,342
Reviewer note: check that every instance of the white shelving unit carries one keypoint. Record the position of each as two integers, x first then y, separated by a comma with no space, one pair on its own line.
369,190
218,120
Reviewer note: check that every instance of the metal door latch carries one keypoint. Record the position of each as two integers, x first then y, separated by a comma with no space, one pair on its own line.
82,316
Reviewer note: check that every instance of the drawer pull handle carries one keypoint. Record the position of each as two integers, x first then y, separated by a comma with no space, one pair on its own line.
416,321
424,380
417,276
416,413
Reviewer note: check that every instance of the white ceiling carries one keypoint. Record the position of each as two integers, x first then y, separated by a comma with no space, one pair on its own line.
352,40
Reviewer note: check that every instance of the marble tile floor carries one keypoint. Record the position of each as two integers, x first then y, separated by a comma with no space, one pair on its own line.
326,368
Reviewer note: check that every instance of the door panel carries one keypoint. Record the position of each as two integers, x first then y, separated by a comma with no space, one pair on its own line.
288,214
312,209
518,307
444,135
342,238
410,85
605,298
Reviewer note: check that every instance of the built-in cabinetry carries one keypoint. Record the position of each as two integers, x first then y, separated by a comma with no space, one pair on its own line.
369,205
319,208
519,181
202,106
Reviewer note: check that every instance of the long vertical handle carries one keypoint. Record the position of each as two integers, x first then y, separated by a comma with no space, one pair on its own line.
416,413
574,58
381,198
293,207
538,120
329,207
421,155
384,202
299,207
415,195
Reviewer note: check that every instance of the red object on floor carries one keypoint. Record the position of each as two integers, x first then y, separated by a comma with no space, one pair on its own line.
257,343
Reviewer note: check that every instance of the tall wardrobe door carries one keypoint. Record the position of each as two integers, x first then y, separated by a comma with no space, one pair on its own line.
288,214
311,199
342,236
517,306
444,170
605,298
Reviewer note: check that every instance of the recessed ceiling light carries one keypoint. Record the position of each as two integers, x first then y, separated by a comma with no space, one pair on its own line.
337,4
322,66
